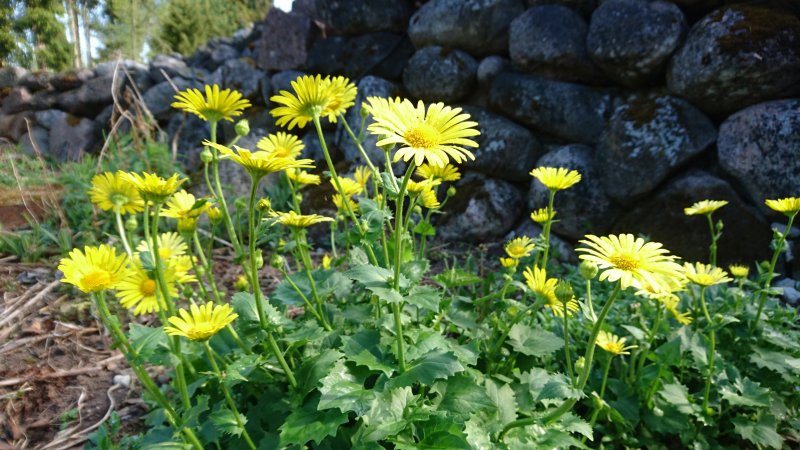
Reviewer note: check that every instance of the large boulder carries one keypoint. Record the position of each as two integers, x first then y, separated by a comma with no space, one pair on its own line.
583,7
483,209
241,75
71,79
737,56
20,99
570,111
159,97
125,69
352,17
632,40
71,137
479,27
746,235
437,74
503,142
551,41
380,54
647,139
582,208
89,99
759,146
295,33
11,75
171,66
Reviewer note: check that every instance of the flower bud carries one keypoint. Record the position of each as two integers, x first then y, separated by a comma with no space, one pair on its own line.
580,363
588,270
241,284
277,261
242,128
451,191
131,224
259,260
326,262
187,225
564,291
240,203
214,215
363,112
264,205
206,156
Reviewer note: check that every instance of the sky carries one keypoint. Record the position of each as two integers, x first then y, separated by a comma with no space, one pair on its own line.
285,5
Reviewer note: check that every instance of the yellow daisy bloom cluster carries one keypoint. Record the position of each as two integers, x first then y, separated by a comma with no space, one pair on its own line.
705,274
152,187
215,106
520,247
281,145
303,178
433,134
613,344
260,163
544,287
202,322
739,271
313,97
293,220
541,216
350,187
704,207
94,269
186,209
172,250
428,199
788,205
138,290
447,172
556,179
113,191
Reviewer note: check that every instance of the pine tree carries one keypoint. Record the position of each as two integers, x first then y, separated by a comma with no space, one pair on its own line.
49,48
8,38
129,26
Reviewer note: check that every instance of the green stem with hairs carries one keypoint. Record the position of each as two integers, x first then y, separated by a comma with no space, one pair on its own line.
546,230
602,393
122,234
567,357
399,231
712,339
228,398
219,194
772,263
302,248
712,249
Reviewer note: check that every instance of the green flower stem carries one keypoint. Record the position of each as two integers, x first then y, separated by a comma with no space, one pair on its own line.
651,337
602,393
220,196
141,373
547,225
712,338
122,234
309,306
228,397
589,302
302,248
255,284
335,178
334,225
361,150
399,231
584,377
773,261
567,357
498,344
483,305
712,249
209,269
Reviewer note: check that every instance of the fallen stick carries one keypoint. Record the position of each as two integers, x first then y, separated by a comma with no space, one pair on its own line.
24,308
62,373
19,343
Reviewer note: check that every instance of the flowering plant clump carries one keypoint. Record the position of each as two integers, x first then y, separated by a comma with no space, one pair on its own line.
368,347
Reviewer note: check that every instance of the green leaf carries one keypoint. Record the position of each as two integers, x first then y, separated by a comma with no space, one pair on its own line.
415,270
428,340
636,332
167,446
786,365
150,343
456,278
390,185
747,393
424,228
425,297
558,388
386,416
307,424
676,395
343,390
146,258
534,342
461,395
314,369
503,399
225,420
761,433
430,367
238,370
244,303
574,424
438,433
363,348
376,280
192,416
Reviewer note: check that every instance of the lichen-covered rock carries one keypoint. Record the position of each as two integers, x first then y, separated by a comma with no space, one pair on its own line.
369,86
71,79
89,99
71,137
505,149
380,54
647,139
296,33
745,238
570,111
171,65
490,67
760,147
737,56
550,40
36,81
583,7
479,27
483,209
20,99
632,40
584,207
11,75
436,74
13,126
350,17
36,141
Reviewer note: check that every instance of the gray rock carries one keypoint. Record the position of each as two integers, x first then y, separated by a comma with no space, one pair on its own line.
502,142
647,139
369,86
479,27
583,7
282,81
159,97
661,218
127,68
380,54
13,126
71,137
737,56
10,76
20,99
46,118
489,68
571,111
584,207
296,31
89,99
314,151
790,293
560,250
350,17
551,41
222,53
71,79
241,75
483,209
632,40
37,141
759,147
171,65
436,74
187,132
36,81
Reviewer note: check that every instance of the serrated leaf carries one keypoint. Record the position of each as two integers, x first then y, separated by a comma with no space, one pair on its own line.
432,366
428,340
150,343
534,342
746,393
167,446
503,399
226,421
636,332
786,365
462,396
424,228
343,390
386,416
478,435
762,433
677,395
456,278
558,388
425,297
307,424
314,369
192,417
376,280
574,424
238,370
245,305
363,348
415,270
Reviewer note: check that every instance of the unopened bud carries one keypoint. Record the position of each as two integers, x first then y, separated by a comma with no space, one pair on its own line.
240,203
206,156
580,363
277,261
588,270
241,284
214,215
131,224
451,191
242,128
187,225
363,112
259,261
264,205
564,291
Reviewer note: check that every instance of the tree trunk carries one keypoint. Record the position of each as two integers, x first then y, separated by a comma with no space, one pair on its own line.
72,13
87,31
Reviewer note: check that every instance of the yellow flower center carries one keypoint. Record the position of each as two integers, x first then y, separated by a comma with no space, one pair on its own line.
625,262
703,279
422,136
96,280
164,253
148,287
614,347
281,152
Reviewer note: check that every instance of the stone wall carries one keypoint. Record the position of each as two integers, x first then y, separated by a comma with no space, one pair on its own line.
658,103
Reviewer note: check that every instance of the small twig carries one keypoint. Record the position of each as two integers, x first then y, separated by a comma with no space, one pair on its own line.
24,308
221,241
63,373
76,437
10,346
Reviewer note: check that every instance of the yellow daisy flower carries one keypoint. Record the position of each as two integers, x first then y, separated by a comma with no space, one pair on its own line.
94,269
428,199
704,207
326,261
203,322
342,96
447,172
281,145
739,271
302,177
112,190
613,344
435,134
362,174
788,206
170,245
558,307
556,179
140,292
509,263
313,97
293,220
180,267
260,163
215,106
705,274
350,186
183,205
337,201
539,284
540,216
419,186
671,302
632,261
152,187
520,247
